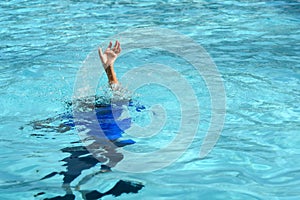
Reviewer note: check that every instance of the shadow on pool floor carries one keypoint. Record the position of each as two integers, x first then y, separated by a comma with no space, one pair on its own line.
80,159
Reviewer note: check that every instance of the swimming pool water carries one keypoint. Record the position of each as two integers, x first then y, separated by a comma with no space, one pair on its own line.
255,45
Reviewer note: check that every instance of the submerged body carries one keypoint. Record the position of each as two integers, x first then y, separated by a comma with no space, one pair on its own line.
102,149
103,126
111,123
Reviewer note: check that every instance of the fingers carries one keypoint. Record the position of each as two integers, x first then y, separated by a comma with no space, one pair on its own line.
109,46
117,48
100,54
116,44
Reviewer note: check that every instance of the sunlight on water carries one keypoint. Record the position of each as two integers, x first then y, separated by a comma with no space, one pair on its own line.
255,45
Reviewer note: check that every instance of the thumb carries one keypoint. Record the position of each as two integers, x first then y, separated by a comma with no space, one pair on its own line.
100,54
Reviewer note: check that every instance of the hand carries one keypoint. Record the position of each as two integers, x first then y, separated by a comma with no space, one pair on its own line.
110,55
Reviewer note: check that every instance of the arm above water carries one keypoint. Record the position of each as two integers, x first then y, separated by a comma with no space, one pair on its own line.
108,59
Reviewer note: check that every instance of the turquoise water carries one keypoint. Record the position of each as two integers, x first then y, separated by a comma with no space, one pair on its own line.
255,45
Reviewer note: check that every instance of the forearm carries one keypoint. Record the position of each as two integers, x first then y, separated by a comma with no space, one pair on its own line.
111,75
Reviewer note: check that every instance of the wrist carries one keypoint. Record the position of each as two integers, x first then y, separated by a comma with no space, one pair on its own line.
109,68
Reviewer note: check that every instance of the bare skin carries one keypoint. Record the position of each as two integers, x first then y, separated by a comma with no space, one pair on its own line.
108,59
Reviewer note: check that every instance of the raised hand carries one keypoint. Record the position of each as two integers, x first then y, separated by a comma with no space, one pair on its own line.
108,59
110,54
